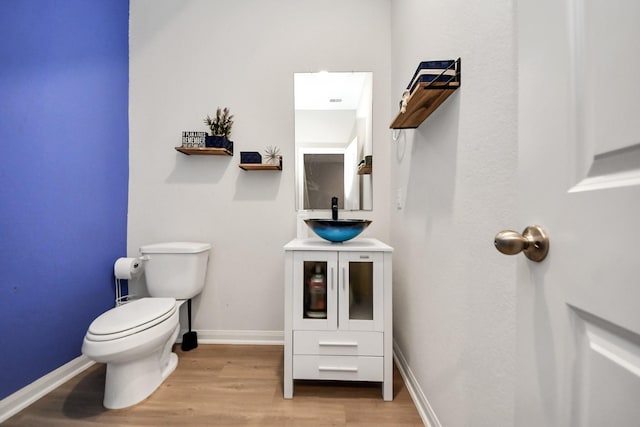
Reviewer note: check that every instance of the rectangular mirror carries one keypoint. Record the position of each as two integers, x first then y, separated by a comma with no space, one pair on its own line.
333,140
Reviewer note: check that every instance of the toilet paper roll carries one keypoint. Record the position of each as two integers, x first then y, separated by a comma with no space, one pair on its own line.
126,268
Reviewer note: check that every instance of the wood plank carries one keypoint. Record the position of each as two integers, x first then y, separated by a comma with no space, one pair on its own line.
365,170
424,101
260,166
207,151
225,385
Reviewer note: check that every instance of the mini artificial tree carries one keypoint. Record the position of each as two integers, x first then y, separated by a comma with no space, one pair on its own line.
221,124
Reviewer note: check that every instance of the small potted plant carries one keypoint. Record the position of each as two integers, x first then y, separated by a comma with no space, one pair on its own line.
220,127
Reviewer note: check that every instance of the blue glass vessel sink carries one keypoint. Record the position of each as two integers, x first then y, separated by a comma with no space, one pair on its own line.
337,230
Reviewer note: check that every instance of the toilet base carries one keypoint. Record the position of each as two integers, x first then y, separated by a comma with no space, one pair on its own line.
129,383
171,366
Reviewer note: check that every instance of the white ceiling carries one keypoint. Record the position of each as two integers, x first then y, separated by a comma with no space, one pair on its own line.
329,90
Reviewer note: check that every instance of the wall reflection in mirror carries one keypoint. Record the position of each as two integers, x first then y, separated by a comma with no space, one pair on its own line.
333,140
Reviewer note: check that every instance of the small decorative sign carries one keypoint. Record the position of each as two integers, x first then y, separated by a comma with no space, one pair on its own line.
193,139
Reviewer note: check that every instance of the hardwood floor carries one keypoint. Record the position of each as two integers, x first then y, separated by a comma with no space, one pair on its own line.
225,385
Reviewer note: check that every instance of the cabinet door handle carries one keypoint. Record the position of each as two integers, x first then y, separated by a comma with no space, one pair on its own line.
343,281
337,344
338,368
332,278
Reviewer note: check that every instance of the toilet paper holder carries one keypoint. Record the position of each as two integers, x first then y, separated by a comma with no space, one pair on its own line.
127,269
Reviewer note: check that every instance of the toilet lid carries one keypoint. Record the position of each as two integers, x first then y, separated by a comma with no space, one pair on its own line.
131,318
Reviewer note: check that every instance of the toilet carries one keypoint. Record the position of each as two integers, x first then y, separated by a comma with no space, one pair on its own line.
135,340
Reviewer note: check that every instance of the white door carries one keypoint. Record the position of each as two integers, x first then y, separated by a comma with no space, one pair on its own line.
360,305
578,356
315,307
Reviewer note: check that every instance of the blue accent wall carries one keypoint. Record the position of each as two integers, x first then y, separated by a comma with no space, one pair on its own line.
63,176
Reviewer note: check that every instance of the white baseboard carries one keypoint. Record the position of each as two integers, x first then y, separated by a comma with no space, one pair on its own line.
425,410
16,402
238,337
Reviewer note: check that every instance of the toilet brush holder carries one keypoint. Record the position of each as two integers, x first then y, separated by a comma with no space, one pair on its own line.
189,339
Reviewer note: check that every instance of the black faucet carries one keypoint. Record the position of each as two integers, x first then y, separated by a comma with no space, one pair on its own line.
334,208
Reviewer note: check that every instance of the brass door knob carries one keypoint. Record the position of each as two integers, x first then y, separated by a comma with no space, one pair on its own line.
533,241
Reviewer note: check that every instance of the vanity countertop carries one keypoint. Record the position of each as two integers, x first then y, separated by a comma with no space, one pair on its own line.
358,244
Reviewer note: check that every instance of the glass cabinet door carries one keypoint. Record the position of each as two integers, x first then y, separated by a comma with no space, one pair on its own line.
360,297
314,290
360,282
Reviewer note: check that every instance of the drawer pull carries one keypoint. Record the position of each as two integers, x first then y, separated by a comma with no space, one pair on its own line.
337,344
338,368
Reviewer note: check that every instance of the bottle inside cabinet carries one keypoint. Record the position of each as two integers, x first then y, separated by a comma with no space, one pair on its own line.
315,290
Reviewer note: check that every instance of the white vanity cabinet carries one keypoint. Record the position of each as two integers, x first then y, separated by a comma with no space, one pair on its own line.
338,319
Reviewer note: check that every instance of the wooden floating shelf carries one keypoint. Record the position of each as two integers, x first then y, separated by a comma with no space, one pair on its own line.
365,170
204,151
261,166
424,100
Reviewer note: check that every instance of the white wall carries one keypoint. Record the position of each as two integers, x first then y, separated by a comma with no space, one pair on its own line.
454,294
335,127
189,57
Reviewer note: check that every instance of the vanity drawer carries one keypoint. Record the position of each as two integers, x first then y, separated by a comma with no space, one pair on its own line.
338,343
343,368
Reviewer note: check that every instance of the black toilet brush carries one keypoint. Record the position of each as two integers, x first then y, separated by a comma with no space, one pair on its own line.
189,339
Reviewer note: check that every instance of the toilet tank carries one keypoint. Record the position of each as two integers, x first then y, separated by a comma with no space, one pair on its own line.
175,269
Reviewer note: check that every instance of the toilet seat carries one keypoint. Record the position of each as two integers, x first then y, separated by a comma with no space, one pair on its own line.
131,318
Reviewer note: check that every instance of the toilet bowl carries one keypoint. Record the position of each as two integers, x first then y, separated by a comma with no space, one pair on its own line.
135,339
